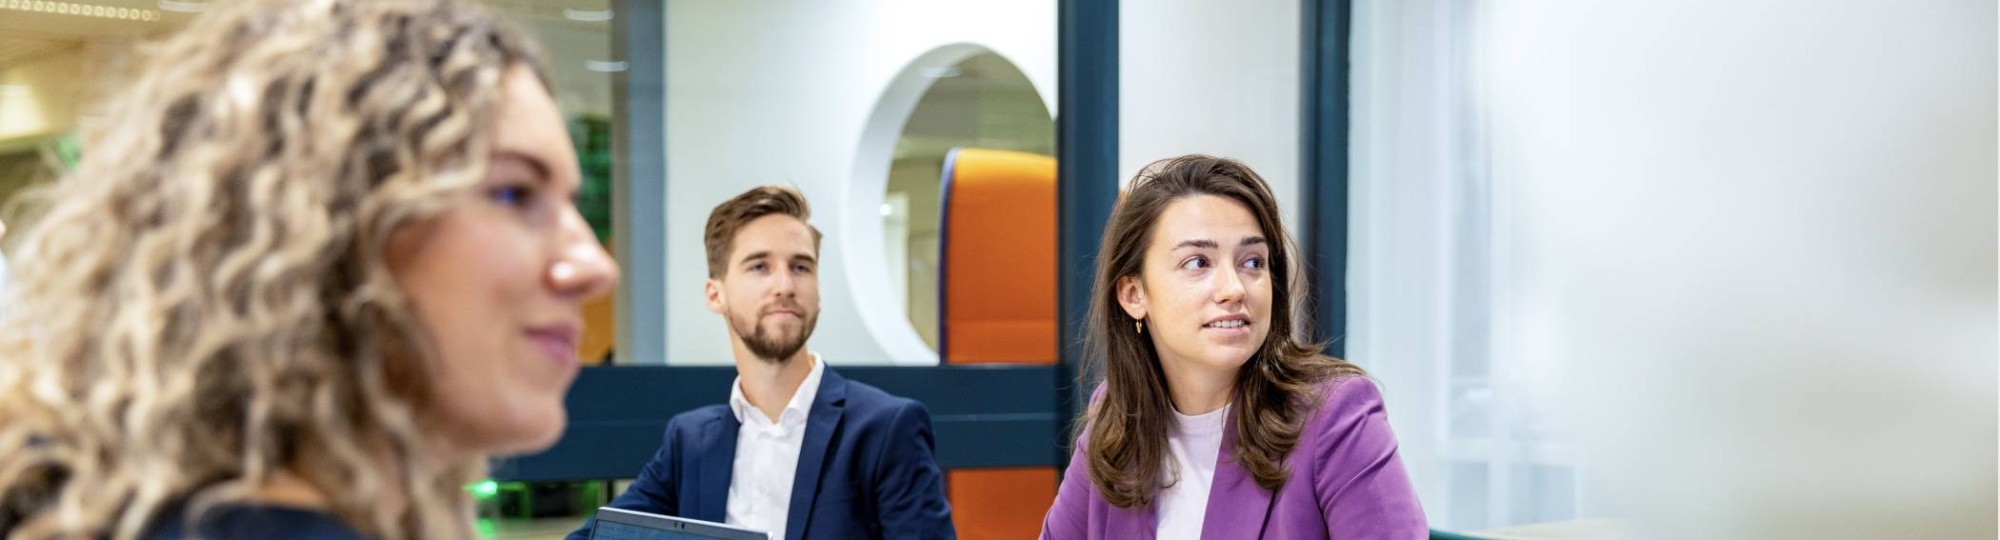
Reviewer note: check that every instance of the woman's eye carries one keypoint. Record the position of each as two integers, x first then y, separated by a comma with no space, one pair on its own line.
1195,263
1254,262
512,195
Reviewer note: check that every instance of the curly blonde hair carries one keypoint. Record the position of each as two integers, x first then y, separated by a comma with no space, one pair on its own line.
206,303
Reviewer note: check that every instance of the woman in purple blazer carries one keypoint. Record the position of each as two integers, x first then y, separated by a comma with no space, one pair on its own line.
1214,420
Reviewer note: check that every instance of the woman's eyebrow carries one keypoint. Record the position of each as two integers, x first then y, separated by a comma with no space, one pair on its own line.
536,166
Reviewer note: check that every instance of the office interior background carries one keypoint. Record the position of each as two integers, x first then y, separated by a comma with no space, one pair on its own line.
1693,269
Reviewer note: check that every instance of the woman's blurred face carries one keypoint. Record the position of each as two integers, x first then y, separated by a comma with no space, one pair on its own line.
499,281
1204,289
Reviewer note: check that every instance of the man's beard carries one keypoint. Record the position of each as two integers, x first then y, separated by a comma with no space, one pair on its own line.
770,347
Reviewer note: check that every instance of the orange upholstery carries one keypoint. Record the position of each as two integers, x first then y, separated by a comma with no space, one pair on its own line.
1000,503
600,327
999,258
999,306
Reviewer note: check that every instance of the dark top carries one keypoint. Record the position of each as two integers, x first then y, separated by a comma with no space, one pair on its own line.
244,522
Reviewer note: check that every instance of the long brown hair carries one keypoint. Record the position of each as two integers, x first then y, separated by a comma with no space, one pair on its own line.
1273,392
207,303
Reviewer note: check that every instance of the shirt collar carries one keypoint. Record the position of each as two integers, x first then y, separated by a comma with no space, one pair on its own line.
799,406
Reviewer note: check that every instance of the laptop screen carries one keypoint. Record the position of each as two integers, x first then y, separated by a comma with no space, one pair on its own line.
607,530
617,524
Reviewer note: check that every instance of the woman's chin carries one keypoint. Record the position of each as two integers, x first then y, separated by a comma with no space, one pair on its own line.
518,438
542,439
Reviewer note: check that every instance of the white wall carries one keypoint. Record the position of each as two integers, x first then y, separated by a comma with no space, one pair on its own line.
766,91
770,91
1755,244
1209,77
571,46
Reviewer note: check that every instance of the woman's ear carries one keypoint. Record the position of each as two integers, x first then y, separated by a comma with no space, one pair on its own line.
1132,297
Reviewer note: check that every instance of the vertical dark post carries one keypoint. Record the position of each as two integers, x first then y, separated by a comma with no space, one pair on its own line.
1086,177
639,179
1323,62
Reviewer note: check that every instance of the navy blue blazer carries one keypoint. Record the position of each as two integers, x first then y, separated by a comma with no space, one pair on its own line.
867,468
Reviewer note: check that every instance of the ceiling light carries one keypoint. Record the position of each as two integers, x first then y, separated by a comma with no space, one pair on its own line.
183,6
83,10
587,15
604,66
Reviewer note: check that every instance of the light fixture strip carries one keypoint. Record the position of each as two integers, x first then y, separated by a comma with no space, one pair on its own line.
53,7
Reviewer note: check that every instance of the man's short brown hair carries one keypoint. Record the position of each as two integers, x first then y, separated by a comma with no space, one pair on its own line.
740,210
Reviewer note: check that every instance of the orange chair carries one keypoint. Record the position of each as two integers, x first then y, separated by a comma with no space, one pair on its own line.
600,327
997,279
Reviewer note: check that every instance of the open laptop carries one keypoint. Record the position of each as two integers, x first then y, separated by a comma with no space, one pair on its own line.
618,524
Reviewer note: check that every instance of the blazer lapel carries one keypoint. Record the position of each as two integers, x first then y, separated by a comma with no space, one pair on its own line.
1140,523
1237,506
813,453
716,467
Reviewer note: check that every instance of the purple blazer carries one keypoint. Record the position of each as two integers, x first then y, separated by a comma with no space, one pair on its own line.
1346,482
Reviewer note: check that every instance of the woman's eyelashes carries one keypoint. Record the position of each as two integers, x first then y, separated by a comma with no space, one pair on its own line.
514,194
1197,262
527,195
1201,262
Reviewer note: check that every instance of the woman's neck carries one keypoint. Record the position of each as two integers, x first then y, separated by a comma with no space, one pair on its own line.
290,489
287,489
1196,391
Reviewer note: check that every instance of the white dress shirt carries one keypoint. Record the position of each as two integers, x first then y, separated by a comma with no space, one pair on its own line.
767,456
1194,442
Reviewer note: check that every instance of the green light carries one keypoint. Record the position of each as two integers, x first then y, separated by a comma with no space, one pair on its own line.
484,489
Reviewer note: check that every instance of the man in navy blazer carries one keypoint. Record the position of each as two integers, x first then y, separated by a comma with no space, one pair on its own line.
799,451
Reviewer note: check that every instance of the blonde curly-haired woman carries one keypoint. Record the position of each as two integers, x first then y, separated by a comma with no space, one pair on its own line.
321,266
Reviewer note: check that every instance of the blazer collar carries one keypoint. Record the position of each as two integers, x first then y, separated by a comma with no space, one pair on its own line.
826,411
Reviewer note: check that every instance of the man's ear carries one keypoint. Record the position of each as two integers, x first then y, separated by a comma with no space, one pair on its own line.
712,290
1132,296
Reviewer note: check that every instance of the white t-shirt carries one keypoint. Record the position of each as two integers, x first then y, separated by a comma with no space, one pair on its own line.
767,456
1194,442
